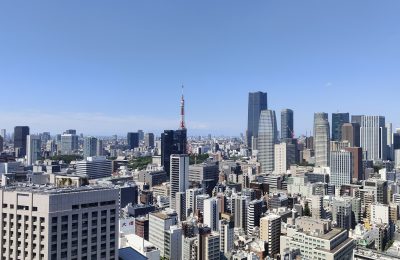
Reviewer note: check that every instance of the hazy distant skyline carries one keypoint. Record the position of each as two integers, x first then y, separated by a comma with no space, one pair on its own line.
105,67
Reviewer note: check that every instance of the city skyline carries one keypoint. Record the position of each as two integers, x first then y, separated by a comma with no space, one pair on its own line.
65,65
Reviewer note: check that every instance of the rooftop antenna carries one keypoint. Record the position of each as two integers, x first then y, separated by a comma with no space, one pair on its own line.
182,124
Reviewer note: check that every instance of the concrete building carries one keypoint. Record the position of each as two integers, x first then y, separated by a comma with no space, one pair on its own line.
211,213
226,231
179,179
358,170
341,168
33,149
159,223
95,167
342,212
191,199
267,138
373,136
321,139
254,212
380,214
209,245
270,231
205,174
285,155
69,144
52,223
90,147
149,140
351,134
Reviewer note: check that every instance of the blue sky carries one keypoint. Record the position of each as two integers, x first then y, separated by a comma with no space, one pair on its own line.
107,67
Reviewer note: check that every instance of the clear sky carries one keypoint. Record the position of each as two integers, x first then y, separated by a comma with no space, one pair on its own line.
107,67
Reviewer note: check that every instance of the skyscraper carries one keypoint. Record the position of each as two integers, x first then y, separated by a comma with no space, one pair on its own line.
90,147
373,137
257,103
270,231
141,135
33,148
149,140
179,177
172,142
267,138
99,148
211,213
69,143
321,139
341,168
351,133
358,171
3,133
338,119
1,143
20,134
254,212
287,130
133,140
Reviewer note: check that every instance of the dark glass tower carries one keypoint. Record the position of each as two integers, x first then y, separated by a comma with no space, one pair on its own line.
257,102
338,119
20,134
172,142
133,140
287,124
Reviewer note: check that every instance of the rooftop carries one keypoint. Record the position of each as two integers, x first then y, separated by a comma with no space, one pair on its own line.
50,189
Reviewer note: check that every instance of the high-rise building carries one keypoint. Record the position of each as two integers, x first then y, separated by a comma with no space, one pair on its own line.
226,231
267,138
172,142
358,171
287,130
191,199
133,140
70,132
321,139
342,212
351,134
173,243
69,143
240,204
95,167
180,205
211,213
206,174
179,177
338,119
90,147
33,148
285,156
254,212
208,244
389,141
141,135
20,134
270,231
257,103
1,143
149,140
99,148
341,168
3,133
50,223
373,137
356,119
159,223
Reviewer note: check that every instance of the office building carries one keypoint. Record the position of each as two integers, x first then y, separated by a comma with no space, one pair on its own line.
20,134
358,170
287,130
34,149
351,134
254,212
205,174
267,138
99,148
257,103
208,244
95,167
270,231
373,137
180,205
240,204
285,156
51,223
159,223
191,199
211,213
341,168
342,212
1,143
338,119
133,140
3,133
141,135
172,142
179,179
69,143
226,231
90,147
149,140
321,139
173,243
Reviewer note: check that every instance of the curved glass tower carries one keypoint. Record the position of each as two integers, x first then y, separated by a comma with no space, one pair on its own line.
267,138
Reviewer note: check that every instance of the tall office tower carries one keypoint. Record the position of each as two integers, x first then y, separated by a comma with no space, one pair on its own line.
397,158
191,199
180,205
1,143
90,147
285,156
172,142
341,168
199,202
208,244
45,137
159,223
226,231
338,119
254,212
342,212
149,140
69,144
240,205
99,148
50,223
287,130
189,248
257,103
396,140
356,119
179,179
20,134
389,141
267,138
95,167
356,154
141,135
211,213
270,231
351,133
3,133
321,139
205,174
33,149
373,137
173,243
133,140
70,132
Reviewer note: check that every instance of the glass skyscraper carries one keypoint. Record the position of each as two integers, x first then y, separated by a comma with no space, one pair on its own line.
257,103
321,139
287,124
267,138
133,140
20,134
172,142
338,119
